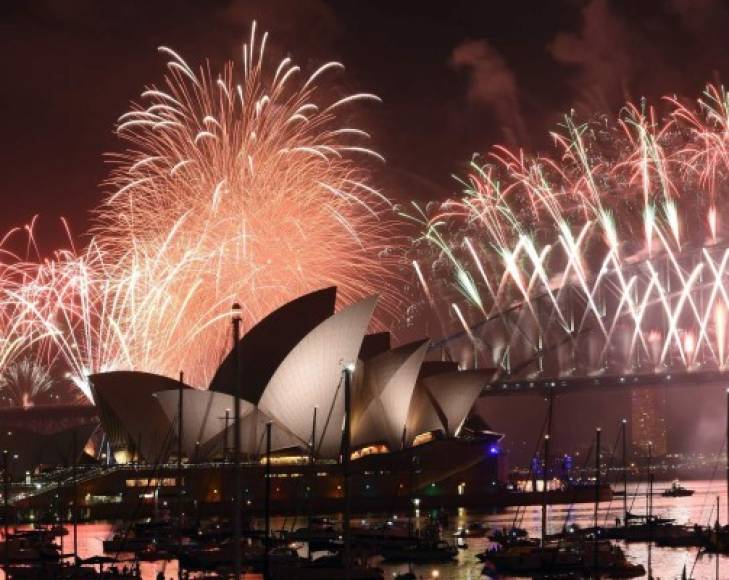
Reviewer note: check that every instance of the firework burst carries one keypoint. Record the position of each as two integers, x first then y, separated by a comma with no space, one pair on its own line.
238,187
25,383
631,209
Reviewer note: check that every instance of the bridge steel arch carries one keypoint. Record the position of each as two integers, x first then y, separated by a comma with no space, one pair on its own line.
654,321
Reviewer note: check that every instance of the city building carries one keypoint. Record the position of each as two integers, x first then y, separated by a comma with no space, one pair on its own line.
648,424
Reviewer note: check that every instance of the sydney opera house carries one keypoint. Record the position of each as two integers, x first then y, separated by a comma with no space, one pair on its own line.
407,417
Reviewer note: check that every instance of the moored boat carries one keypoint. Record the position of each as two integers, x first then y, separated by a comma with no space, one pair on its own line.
677,490
325,568
578,557
474,530
420,551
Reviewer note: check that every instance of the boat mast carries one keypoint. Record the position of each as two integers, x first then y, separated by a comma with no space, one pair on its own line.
312,449
345,469
179,469
598,433
650,479
727,457
545,469
74,508
237,557
226,443
59,510
311,477
624,428
650,509
267,507
6,506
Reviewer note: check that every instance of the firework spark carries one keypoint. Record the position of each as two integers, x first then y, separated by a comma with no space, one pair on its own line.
24,383
626,217
238,187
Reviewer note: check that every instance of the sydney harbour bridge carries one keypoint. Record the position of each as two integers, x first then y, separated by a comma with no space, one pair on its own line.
648,321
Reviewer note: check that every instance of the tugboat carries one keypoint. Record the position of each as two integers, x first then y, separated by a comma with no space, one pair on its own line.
677,490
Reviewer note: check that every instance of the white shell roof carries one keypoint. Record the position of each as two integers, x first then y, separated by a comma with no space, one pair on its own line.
126,404
203,424
423,415
310,376
253,435
455,394
382,395
203,418
262,348
390,390
443,401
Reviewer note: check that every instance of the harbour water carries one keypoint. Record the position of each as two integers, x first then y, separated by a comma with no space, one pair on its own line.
667,563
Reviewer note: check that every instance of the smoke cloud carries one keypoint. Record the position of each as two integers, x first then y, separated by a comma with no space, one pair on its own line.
492,84
628,51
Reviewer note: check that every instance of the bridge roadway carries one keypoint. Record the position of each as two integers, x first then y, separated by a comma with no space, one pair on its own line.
543,386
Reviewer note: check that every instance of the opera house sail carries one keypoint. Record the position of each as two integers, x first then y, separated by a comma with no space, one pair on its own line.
291,376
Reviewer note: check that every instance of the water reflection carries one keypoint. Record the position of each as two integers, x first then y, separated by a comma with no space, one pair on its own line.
666,562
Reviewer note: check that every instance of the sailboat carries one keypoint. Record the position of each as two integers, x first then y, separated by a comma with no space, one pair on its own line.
578,555
340,565
718,538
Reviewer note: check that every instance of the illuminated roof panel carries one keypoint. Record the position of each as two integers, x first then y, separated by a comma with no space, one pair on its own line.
310,376
129,413
454,394
203,418
264,347
382,396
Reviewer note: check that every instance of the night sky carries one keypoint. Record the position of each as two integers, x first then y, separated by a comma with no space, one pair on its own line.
455,78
